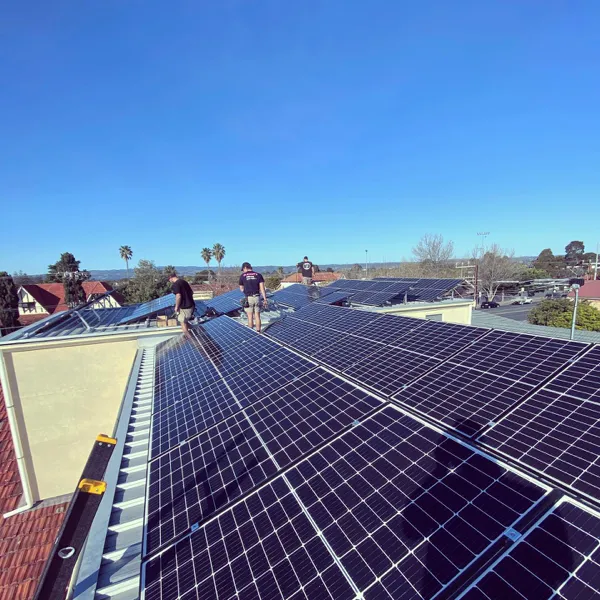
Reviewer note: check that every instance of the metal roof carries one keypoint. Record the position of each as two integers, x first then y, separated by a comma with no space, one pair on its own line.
482,318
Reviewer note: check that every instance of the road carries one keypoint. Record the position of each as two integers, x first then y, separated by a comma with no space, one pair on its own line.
517,312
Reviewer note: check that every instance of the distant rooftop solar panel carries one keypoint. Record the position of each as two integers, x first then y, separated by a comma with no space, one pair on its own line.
226,303
335,296
373,298
150,308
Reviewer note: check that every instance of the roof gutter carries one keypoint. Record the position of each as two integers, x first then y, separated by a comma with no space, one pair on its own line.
14,430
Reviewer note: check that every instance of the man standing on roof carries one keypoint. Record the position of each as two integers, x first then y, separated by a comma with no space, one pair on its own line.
184,301
252,284
308,271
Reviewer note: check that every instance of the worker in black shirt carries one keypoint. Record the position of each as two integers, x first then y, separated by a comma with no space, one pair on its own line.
253,286
308,271
184,301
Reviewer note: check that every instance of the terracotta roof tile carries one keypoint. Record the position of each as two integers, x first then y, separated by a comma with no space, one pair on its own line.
26,539
52,295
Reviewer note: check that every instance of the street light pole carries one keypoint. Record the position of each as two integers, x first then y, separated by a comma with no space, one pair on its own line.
367,263
596,265
575,287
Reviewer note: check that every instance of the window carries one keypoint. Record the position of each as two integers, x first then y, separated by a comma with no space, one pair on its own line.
435,317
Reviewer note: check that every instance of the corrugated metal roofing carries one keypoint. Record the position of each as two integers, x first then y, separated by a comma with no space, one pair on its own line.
484,318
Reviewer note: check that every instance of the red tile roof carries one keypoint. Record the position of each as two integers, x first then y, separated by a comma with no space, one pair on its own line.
26,539
320,276
590,289
52,295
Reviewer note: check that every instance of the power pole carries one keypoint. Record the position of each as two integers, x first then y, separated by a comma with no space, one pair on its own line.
596,265
574,287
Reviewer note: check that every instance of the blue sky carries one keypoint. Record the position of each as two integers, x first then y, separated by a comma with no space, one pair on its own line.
284,128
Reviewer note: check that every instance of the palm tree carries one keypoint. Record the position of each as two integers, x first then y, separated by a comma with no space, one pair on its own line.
218,251
126,253
206,256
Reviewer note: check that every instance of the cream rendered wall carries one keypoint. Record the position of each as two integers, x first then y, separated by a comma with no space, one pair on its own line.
64,396
459,312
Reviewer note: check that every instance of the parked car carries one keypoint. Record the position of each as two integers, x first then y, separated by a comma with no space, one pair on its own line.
490,304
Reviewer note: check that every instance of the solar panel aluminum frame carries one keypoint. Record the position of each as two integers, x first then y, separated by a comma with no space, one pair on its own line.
520,538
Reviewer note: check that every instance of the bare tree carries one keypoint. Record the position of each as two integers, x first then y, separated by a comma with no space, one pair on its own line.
433,253
495,266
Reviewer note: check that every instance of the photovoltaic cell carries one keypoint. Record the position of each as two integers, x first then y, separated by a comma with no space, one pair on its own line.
189,415
407,509
559,557
347,320
295,419
263,547
388,370
192,481
317,338
557,430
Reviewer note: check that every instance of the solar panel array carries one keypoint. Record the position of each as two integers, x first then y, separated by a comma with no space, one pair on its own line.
225,304
424,290
297,295
147,309
273,477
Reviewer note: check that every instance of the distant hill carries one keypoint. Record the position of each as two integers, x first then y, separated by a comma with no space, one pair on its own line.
117,274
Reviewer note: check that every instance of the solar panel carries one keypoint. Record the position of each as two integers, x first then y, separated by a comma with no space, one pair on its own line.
226,303
557,430
346,352
264,547
388,370
487,378
388,329
373,298
424,295
558,557
190,414
335,297
150,308
316,338
441,340
390,507
262,377
407,509
193,480
295,419
347,320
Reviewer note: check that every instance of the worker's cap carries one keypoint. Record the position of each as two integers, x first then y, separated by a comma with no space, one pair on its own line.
246,265
306,258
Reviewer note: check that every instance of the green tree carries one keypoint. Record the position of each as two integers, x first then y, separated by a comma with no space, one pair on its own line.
21,278
330,270
218,251
9,304
529,273
574,252
203,276
547,261
206,256
272,282
280,272
559,313
66,271
126,253
148,282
